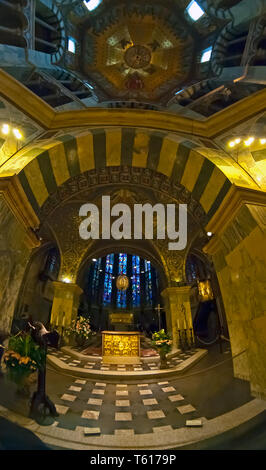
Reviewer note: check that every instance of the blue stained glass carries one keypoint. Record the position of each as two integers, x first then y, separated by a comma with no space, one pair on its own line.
122,269
135,280
148,282
108,278
96,275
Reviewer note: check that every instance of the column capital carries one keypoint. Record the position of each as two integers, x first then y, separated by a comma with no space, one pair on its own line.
178,290
67,286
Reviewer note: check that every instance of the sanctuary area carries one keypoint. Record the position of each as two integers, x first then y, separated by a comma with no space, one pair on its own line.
117,333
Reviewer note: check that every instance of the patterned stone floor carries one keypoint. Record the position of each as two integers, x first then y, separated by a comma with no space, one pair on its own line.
146,406
150,364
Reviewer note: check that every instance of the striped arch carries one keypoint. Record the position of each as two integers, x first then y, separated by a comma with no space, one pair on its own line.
69,156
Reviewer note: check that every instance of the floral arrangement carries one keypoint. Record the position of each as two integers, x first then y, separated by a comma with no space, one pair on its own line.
80,328
23,357
162,342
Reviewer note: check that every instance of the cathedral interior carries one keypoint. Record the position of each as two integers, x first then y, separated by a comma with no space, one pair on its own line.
146,102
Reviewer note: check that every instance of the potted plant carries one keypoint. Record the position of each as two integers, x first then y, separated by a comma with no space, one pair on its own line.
162,342
22,358
80,329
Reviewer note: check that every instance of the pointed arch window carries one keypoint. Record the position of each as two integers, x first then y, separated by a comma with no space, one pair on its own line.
121,301
148,282
108,279
135,281
96,276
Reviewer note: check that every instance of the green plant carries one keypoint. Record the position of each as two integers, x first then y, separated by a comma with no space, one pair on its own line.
23,357
162,342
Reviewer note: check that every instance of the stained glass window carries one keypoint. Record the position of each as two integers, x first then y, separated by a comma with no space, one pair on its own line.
122,269
96,275
148,282
135,280
108,279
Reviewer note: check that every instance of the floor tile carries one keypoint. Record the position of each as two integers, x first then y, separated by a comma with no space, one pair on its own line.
122,403
61,409
98,391
95,401
186,409
90,414
168,389
150,401
162,428
156,414
68,397
123,416
75,389
175,397
121,393
145,392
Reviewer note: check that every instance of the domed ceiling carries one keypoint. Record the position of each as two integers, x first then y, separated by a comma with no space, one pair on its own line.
138,56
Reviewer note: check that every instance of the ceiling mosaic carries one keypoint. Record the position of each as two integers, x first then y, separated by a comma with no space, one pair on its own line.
138,59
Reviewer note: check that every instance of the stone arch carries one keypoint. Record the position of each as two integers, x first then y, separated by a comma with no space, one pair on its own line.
184,163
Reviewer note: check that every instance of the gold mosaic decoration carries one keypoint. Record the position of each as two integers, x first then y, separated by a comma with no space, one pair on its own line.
121,344
139,56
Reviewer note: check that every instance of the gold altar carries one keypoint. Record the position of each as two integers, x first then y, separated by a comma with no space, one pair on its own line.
121,347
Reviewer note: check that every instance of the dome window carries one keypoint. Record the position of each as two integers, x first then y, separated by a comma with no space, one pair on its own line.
195,11
206,55
71,45
92,4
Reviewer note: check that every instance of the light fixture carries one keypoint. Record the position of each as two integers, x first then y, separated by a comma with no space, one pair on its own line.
66,280
71,45
92,4
232,143
206,55
94,259
263,141
17,133
5,129
238,140
249,141
195,11
209,234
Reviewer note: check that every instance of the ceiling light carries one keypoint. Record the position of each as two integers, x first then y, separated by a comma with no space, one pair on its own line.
209,234
94,259
92,4
237,141
206,55
249,141
17,134
263,141
232,143
5,129
194,10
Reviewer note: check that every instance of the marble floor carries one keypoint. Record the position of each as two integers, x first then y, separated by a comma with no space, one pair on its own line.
146,406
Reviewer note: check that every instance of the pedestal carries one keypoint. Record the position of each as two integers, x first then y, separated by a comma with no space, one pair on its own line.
65,304
178,312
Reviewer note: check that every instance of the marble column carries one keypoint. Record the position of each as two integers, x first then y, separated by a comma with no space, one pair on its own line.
178,311
65,304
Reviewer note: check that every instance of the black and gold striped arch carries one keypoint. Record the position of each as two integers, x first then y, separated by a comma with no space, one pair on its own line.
52,165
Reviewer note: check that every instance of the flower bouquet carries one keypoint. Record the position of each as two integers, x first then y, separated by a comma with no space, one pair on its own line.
22,358
80,329
162,342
